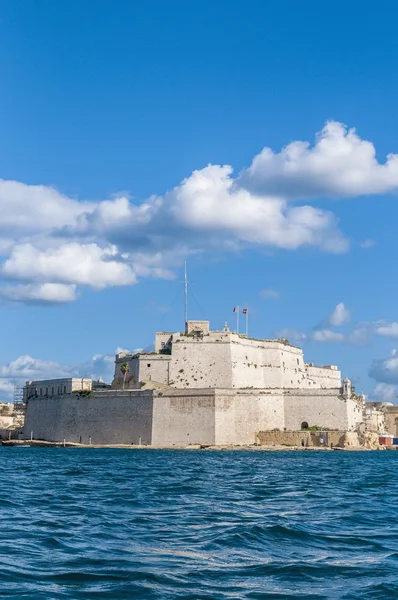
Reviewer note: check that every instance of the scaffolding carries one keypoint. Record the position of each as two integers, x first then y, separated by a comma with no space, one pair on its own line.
18,393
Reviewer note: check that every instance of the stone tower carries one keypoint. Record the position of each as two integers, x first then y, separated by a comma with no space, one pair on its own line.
347,389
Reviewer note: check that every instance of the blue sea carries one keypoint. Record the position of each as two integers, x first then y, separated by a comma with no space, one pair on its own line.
158,524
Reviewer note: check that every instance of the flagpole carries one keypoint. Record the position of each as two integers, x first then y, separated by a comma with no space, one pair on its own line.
185,294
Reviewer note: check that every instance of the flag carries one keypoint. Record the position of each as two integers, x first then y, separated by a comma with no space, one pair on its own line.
235,309
244,311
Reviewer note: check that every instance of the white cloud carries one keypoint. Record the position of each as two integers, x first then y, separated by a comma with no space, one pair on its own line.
339,164
326,335
47,237
50,293
387,329
270,294
210,200
385,370
339,316
27,208
86,264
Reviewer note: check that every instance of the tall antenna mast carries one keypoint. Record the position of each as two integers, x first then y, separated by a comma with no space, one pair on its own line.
186,292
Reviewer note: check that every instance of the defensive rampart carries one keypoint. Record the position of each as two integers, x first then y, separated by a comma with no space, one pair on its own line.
173,417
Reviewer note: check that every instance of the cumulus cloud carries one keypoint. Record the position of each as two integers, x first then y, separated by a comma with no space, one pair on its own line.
339,164
47,237
339,316
27,208
86,264
44,293
211,200
386,329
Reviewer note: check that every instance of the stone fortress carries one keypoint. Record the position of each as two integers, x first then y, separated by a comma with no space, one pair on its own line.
198,387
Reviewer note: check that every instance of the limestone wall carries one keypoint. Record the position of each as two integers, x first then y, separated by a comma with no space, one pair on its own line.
323,377
154,367
240,415
182,418
302,439
320,407
142,367
161,339
106,417
201,363
253,365
173,417
160,418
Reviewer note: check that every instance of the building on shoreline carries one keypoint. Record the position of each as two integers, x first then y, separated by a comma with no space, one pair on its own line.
197,387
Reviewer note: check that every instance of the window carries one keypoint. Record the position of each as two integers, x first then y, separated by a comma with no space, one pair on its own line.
298,362
41,391
64,389
148,364
52,391
304,425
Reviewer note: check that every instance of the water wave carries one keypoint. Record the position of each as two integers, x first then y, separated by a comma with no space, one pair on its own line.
87,524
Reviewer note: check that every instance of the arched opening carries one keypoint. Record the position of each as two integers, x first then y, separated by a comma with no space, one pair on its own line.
396,427
304,425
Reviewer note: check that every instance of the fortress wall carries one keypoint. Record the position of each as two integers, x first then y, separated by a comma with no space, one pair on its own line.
253,365
201,363
293,368
161,339
132,377
144,367
183,417
323,377
154,367
240,415
324,408
266,363
109,418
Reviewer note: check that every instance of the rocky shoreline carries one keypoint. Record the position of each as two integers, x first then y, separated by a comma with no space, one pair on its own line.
44,444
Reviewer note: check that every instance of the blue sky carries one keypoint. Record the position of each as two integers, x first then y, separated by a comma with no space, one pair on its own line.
132,137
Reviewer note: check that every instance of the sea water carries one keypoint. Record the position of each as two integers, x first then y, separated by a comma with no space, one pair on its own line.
158,524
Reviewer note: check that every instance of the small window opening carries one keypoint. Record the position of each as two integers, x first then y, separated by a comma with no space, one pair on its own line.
304,425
